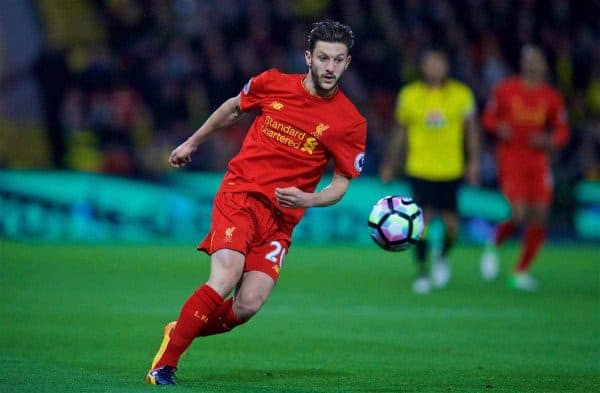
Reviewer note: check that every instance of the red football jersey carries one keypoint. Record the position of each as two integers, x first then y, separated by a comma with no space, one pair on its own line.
526,111
293,138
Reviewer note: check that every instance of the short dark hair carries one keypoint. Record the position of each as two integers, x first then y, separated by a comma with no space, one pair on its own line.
330,31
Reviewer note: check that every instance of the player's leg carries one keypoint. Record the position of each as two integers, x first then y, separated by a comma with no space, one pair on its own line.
535,234
533,239
231,226
261,271
451,222
422,282
226,271
446,199
514,185
440,270
489,264
517,218
539,198
251,294
421,191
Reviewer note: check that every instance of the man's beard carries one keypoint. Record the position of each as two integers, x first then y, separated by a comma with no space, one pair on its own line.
318,87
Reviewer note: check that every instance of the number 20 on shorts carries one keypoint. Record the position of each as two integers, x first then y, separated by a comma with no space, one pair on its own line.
277,254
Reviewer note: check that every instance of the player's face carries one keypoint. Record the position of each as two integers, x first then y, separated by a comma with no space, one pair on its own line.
533,63
434,67
327,63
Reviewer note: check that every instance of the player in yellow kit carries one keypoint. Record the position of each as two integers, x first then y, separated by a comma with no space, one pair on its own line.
436,119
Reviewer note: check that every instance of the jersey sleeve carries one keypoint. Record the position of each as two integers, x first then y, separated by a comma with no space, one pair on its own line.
558,121
255,90
468,109
491,112
401,112
349,151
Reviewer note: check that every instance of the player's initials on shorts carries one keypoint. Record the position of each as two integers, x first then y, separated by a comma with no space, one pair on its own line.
229,234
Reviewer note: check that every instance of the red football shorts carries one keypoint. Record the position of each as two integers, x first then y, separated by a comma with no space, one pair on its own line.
250,224
532,185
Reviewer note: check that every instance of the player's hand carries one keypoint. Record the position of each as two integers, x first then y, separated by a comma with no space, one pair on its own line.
182,155
293,197
541,142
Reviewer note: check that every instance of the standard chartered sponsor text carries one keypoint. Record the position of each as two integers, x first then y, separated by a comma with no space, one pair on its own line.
280,131
285,128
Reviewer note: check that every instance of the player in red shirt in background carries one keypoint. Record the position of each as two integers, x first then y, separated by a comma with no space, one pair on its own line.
528,118
303,121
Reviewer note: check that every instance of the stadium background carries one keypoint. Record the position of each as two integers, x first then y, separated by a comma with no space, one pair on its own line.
94,94
112,86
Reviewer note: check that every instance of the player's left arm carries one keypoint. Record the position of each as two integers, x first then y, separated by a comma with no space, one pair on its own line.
472,136
559,128
559,122
295,198
473,149
348,152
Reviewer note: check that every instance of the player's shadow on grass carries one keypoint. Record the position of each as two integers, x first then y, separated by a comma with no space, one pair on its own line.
250,376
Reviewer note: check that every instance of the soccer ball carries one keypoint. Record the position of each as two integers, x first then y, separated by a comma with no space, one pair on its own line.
396,223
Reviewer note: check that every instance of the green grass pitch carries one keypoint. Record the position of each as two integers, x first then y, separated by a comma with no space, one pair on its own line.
77,318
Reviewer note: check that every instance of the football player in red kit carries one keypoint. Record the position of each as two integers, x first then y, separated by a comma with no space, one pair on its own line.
528,118
303,121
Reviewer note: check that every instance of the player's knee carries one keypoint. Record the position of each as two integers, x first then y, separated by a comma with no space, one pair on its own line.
247,306
226,271
222,284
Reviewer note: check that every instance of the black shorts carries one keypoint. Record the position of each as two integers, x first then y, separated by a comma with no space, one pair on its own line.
441,195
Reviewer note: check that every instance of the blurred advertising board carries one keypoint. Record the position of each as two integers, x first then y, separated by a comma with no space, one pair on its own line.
57,206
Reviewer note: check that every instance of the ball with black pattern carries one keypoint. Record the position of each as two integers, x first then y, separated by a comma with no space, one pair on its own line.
396,223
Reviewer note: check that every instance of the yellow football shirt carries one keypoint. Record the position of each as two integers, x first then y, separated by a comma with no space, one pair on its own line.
434,119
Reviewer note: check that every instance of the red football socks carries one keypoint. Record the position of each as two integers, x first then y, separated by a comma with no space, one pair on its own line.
503,231
223,321
196,313
532,242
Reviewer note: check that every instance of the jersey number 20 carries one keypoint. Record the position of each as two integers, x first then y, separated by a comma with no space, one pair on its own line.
277,254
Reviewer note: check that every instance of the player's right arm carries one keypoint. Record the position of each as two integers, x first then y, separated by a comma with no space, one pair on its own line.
492,119
394,156
226,115
396,152
559,134
473,145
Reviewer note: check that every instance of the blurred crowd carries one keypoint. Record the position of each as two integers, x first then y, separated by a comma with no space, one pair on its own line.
166,64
